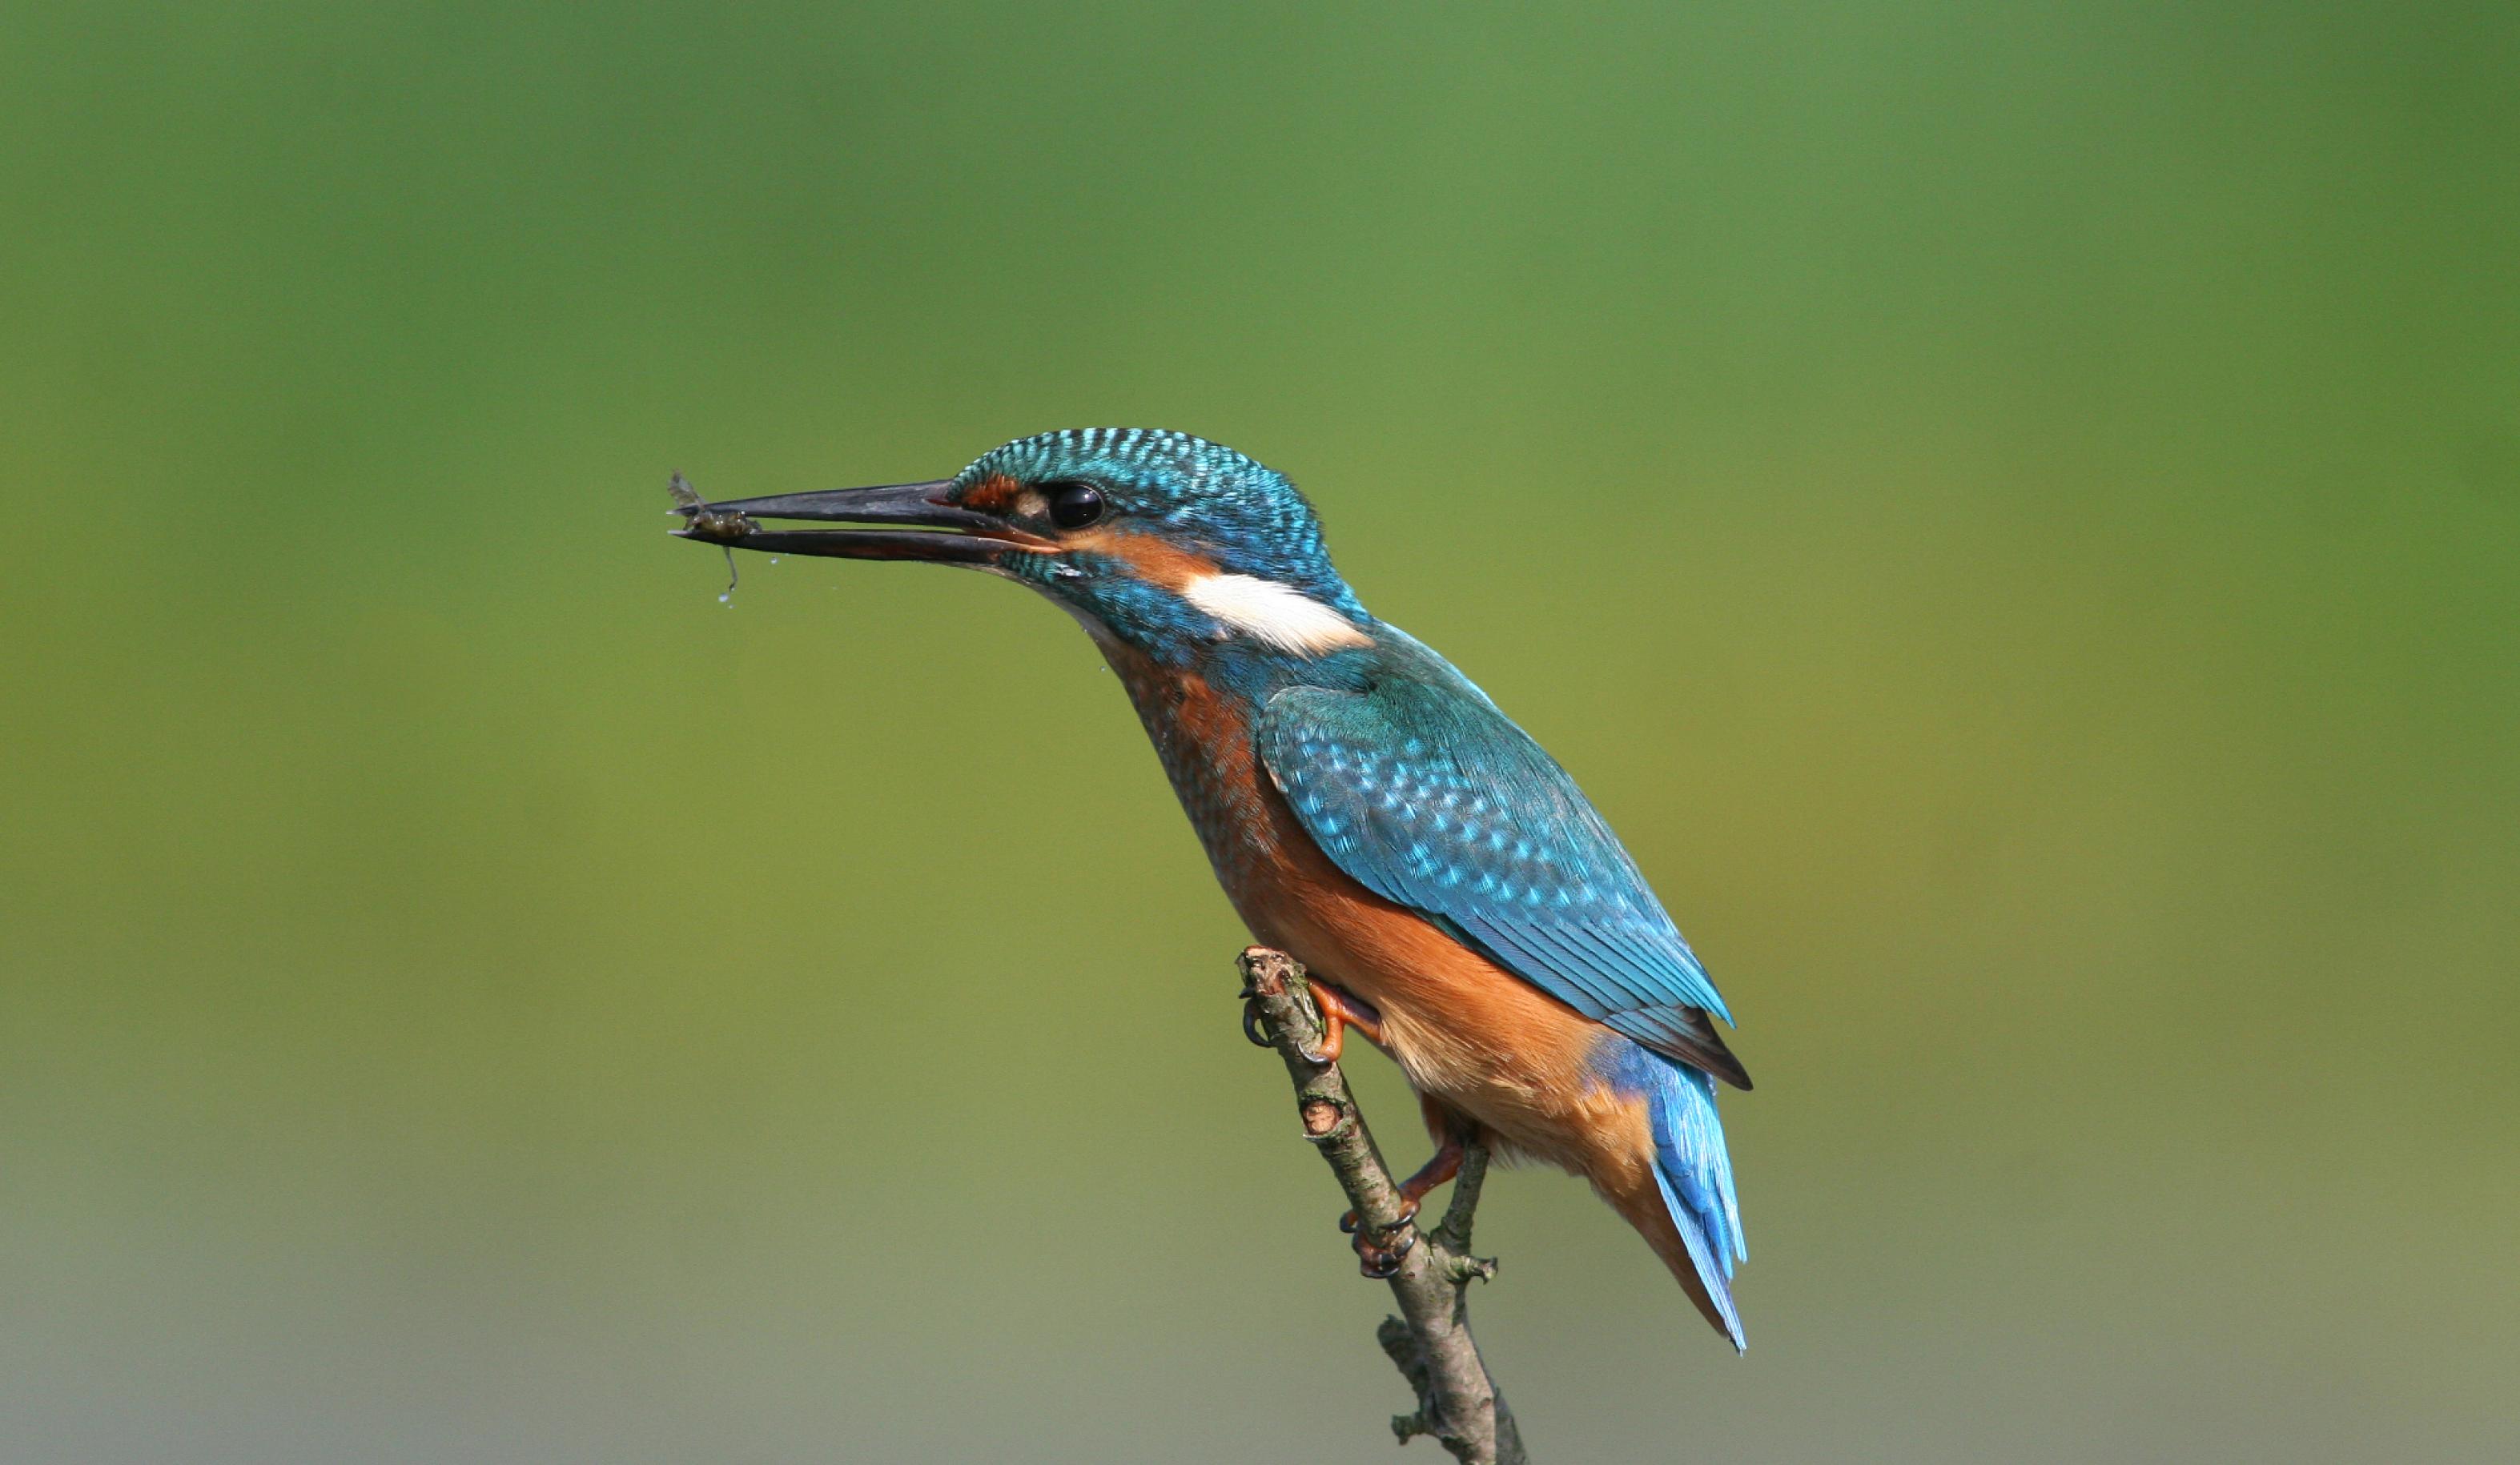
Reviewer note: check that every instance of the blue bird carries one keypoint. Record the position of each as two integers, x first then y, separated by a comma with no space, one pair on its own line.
1367,808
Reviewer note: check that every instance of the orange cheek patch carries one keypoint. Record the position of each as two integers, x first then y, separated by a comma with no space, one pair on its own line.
1148,557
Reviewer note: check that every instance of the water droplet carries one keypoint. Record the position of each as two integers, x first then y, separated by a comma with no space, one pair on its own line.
774,559
726,597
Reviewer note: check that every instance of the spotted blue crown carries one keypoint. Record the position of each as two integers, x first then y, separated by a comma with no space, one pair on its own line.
1246,515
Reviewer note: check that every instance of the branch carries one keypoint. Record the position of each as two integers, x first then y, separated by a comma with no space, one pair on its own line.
1458,1402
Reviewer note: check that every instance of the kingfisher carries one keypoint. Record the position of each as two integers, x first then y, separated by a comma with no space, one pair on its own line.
1369,811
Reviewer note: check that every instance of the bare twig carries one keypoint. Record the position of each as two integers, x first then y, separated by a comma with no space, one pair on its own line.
1458,1402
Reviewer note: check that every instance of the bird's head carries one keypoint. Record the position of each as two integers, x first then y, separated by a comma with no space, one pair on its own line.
1169,542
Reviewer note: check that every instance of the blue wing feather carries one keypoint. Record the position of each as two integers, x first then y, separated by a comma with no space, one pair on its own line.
1420,789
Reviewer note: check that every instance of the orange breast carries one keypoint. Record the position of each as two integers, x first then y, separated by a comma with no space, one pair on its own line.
1463,1029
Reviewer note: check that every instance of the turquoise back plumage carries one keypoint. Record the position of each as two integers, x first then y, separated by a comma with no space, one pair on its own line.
1427,795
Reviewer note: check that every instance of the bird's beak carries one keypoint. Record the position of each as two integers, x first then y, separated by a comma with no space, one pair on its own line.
920,524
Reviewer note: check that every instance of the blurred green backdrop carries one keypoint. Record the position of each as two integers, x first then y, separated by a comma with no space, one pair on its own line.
2014,511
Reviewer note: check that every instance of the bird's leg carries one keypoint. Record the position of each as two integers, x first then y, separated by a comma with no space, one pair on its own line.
1439,1168
1341,1012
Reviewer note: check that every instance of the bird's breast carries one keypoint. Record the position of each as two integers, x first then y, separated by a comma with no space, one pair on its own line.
1461,1025
1203,737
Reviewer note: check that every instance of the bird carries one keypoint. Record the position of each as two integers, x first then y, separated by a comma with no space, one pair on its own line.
1367,809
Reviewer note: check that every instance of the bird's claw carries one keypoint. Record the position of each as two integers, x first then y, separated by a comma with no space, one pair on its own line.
1407,1213
1255,1028
1381,1262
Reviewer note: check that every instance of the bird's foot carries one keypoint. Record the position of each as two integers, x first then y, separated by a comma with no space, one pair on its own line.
1341,1012
1380,1249
1338,1012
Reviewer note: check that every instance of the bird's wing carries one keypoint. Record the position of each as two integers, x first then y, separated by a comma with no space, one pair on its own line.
1431,798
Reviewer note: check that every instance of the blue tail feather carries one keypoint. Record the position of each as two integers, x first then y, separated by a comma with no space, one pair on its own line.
1694,1171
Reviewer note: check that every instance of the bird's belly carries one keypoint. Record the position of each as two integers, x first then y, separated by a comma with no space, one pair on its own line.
1462,1029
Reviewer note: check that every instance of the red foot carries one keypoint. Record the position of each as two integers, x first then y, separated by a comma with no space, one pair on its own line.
1341,1012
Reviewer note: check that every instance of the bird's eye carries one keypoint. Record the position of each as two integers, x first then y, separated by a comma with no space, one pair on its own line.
1073,506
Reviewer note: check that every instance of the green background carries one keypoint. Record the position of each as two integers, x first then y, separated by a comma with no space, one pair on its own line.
2014,511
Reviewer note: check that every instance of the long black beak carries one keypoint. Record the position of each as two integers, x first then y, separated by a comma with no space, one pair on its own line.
968,537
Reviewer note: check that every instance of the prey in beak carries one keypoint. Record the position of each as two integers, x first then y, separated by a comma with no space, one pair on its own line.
918,523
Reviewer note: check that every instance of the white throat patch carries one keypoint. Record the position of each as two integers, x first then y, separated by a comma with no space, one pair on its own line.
1274,612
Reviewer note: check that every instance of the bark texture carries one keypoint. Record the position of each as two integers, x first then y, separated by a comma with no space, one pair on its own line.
1429,1272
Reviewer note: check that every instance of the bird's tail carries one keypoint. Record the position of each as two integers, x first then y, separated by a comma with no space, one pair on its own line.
1689,1212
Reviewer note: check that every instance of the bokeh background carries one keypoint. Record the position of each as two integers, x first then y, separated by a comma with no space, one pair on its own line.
2013,510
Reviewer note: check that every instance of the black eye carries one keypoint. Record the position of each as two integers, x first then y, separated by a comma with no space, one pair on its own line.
1073,506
